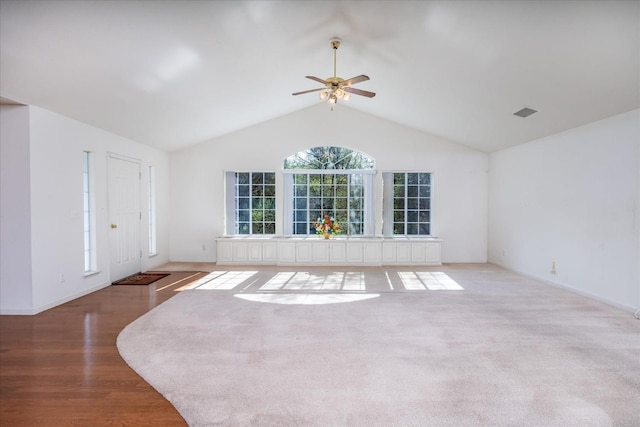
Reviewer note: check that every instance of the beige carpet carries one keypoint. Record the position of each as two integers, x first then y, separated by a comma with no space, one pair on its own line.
468,345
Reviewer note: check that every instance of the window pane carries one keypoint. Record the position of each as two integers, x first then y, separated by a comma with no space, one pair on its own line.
269,202
300,179
412,229
252,197
300,203
300,190
270,216
328,179
411,215
341,191
315,203
242,178
327,191
257,178
270,178
243,203
341,216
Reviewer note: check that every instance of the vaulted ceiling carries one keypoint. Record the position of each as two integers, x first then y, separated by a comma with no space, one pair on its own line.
174,73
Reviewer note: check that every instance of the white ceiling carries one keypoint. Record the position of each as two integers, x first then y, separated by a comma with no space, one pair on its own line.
171,74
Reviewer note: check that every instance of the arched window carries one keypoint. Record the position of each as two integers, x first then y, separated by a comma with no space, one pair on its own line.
329,158
334,181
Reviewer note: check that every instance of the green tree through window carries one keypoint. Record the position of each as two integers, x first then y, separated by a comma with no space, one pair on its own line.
321,158
332,181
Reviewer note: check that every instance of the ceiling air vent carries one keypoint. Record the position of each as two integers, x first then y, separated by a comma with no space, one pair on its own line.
525,112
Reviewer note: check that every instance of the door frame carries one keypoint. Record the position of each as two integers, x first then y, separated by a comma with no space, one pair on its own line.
113,275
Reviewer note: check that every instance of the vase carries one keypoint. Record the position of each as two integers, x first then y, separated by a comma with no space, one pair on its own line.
326,235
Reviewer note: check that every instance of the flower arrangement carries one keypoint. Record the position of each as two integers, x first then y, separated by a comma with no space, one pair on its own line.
327,225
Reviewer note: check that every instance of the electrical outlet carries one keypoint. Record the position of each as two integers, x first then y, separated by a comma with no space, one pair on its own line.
553,267
61,277
204,247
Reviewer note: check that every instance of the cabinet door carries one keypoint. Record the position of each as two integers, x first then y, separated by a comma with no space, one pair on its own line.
269,252
304,254
354,253
434,253
240,252
371,253
321,252
286,252
254,251
388,252
224,252
338,252
418,253
403,253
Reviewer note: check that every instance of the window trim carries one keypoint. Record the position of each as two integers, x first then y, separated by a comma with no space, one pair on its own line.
368,208
230,203
89,230
388,203
153,235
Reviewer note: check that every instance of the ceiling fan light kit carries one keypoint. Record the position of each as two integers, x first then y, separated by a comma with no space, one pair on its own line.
335,87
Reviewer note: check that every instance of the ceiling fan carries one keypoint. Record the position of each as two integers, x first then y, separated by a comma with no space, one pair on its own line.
336,87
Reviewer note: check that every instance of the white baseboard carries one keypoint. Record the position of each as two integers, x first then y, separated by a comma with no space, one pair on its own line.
8,311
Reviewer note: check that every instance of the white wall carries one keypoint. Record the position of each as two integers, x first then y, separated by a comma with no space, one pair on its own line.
55,175
460,176
573,199
15,207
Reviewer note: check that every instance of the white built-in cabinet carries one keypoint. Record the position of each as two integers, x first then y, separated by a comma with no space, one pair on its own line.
335,251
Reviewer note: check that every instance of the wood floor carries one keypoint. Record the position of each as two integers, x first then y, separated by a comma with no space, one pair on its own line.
62,368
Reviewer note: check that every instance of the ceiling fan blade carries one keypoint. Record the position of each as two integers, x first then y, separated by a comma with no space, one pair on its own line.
354,80
359,92
319,80
307,91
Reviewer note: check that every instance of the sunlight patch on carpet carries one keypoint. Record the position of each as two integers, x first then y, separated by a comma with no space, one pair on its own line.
222,280
425,280
304,280
305,299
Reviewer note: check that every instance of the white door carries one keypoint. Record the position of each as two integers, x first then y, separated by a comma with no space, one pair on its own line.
124,217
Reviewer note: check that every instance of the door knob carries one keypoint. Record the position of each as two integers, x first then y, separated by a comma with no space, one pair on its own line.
114,226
